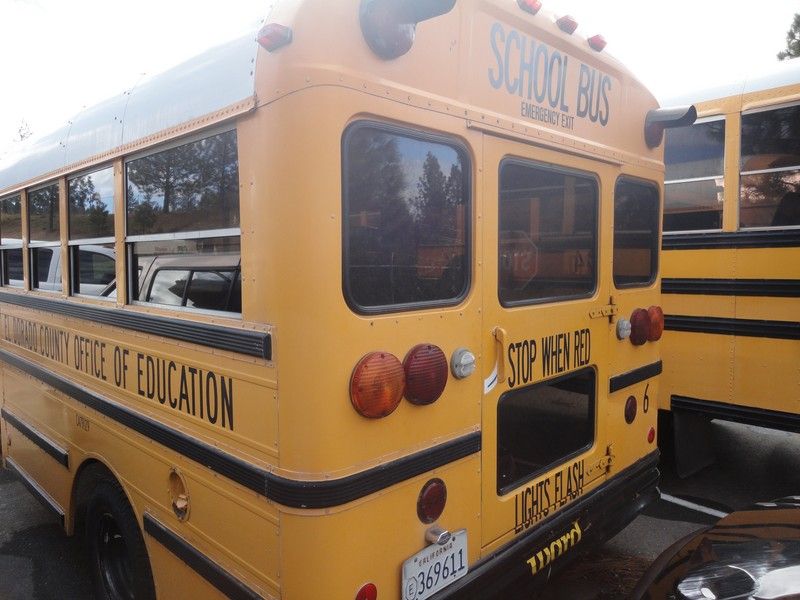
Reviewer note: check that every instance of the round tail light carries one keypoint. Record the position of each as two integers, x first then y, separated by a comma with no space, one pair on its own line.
656,323
640,326
431,500
368,591
426,373
630,409
377,384
651,435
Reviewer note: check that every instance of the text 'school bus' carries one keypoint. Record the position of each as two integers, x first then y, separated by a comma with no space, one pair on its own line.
731,275
336,311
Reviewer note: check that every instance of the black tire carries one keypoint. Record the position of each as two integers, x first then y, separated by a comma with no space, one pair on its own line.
118,557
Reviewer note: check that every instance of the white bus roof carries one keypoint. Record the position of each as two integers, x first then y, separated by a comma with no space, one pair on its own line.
778,75
212,81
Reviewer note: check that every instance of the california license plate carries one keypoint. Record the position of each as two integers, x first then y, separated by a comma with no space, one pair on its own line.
435,567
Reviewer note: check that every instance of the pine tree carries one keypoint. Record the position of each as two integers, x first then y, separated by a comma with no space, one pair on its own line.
792,40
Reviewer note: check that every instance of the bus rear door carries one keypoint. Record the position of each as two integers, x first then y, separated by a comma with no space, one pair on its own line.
543,436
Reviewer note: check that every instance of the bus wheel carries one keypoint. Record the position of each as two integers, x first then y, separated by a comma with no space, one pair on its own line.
118,557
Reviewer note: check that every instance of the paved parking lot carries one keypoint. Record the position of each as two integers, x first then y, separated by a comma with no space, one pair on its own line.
37,562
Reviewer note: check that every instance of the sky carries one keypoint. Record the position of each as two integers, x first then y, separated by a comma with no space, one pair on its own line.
58,56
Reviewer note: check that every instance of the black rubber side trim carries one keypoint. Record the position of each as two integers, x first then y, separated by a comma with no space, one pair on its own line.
749,415
289,492
780,238
209,570
34,488
780,330
53,449
778,288
623,380
242,341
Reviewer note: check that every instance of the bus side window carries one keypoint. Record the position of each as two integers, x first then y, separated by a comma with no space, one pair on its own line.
183,225
635,233
693,157
769,192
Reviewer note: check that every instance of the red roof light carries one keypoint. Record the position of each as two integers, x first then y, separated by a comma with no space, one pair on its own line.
530,6
567,24
273,36
597,42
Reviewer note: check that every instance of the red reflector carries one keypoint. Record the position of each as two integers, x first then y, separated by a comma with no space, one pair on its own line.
426,373
431,500
630,409
377,384
597,42
651,435
640,326
531,6
567,24
272,36
656,323
369,591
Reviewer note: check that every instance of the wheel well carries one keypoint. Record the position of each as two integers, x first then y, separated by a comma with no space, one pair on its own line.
87,474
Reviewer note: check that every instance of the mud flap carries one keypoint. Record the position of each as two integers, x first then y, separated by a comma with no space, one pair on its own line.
693,450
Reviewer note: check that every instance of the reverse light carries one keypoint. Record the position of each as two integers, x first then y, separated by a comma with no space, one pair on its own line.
377,385
623,329
597,42
530,6
462,363
431,500
640,326
426,370
368,591
630,409
656,323
389,26
273,36
567,24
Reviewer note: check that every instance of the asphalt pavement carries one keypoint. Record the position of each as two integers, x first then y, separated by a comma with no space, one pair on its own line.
38,562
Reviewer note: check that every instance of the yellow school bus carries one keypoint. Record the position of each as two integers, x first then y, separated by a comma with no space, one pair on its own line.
363,305
731,252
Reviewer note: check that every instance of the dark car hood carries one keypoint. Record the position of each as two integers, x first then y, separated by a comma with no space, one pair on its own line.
751,554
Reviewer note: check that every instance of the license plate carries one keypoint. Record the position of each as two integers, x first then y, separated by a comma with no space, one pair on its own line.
435,567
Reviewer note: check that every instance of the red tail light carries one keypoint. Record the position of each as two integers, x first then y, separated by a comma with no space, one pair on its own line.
272,36
597,42
531,6
640,326
656,323
368,591
630,409
431,501
377,385
426,373
567,24
651,435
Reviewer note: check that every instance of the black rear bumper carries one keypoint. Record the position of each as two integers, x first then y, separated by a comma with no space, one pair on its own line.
587,523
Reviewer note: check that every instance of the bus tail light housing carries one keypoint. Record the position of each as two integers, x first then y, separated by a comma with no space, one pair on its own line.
656,323
377,385
426,370
431,500
273,36
389,26
630,409
640,326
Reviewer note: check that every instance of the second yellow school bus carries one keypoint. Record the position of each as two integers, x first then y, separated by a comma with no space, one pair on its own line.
367,308
731,253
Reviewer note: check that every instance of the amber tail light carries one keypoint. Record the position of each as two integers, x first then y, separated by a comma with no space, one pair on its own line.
656,323
377,385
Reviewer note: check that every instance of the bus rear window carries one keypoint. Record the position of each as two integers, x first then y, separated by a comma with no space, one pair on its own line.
548,234
543,425
406,216
635,233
